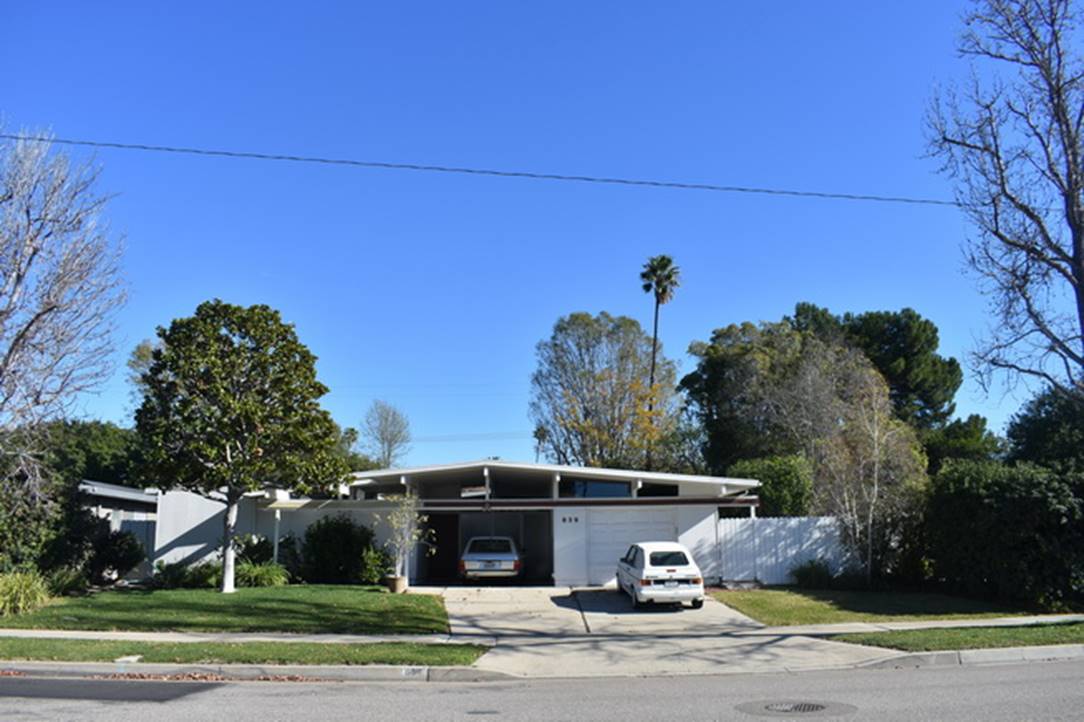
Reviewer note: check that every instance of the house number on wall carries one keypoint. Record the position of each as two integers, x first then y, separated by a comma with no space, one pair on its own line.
570,520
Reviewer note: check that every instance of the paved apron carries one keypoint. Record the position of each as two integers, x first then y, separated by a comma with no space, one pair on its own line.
559,632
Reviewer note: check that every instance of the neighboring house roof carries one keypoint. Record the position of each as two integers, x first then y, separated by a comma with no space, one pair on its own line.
721,484
116,491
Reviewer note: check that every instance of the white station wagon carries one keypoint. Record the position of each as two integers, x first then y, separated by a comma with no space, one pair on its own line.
490,557
660,572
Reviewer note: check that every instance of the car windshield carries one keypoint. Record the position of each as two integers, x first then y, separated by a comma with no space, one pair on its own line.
490,546
669,559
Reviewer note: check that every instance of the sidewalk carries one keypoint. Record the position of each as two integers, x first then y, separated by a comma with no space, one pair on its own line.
827,630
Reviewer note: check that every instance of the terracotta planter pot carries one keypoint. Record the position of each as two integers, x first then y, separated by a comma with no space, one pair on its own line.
396,585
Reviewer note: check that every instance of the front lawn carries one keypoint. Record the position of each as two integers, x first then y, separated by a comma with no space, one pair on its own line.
93,650
932,640
310,609
789,606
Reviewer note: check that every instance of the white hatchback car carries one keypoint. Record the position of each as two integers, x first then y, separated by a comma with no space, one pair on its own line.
660,572
490,557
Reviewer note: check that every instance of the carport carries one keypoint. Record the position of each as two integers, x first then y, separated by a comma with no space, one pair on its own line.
532,531
571,523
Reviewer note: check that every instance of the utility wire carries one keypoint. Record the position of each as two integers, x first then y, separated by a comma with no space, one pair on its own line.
605,180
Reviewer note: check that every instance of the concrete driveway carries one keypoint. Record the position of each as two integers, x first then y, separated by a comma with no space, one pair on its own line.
562,632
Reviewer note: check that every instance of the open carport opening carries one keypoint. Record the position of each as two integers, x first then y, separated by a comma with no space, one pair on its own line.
531,530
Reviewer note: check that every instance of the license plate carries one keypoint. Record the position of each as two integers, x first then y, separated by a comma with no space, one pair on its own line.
490,565
671,584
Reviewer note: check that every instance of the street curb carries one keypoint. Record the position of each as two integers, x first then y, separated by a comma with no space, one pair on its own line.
976,657
257,672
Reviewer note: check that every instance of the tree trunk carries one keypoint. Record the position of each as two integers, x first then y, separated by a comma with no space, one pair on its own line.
651,385
229,528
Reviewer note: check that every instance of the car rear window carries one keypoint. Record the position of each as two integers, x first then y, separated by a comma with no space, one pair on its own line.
491,546
669,559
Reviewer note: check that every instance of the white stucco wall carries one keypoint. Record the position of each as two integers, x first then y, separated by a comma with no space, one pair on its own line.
570,546
189,527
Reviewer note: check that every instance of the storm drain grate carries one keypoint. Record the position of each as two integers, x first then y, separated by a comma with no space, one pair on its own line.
795,707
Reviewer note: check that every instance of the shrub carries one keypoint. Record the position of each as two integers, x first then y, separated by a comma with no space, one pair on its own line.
203,575
118,553
290,556
375,565
267,574
812,574
786,483
22,592
333,548
180,575
254,549
1007,531
169,576
67,581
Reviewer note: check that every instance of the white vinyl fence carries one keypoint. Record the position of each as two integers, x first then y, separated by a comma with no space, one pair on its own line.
766,549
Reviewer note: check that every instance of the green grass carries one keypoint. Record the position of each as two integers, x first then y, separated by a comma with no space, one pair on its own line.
789,606
931,640
308,609
93,650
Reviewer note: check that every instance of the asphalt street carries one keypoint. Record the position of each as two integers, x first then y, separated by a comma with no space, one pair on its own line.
1010,692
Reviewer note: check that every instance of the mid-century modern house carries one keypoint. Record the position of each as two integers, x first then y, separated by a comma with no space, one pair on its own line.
572,523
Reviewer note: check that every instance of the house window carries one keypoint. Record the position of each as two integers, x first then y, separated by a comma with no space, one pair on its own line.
572,488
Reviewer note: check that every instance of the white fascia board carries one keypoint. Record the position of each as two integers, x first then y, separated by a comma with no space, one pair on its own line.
732,485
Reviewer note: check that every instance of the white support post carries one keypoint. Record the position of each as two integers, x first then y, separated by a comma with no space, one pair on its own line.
636,486
275,546
556,486
485,473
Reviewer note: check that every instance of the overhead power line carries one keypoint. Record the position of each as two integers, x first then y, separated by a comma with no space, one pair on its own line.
463,170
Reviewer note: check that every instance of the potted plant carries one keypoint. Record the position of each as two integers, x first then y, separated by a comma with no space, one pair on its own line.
407,531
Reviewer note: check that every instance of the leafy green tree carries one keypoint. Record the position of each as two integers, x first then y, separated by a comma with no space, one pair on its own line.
1049,431
960,439
95,450
726,391
589,399
786,483
902,345
660,278
232,406
346,448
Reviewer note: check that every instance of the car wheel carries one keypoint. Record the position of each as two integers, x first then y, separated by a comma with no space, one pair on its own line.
698,603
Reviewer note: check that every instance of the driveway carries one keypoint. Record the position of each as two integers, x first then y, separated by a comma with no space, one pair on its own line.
562,632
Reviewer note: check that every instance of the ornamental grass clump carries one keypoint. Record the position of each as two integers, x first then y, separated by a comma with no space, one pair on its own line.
22,592
267,574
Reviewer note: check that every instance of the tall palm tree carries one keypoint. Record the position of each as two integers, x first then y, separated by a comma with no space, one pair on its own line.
660,276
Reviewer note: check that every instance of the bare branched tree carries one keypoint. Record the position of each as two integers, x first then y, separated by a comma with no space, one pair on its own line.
1012,141
387,434
835,407
59,289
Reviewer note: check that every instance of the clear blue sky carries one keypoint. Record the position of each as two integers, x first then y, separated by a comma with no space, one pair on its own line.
431,291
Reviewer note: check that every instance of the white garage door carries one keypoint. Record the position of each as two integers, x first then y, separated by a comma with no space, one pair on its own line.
611,531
